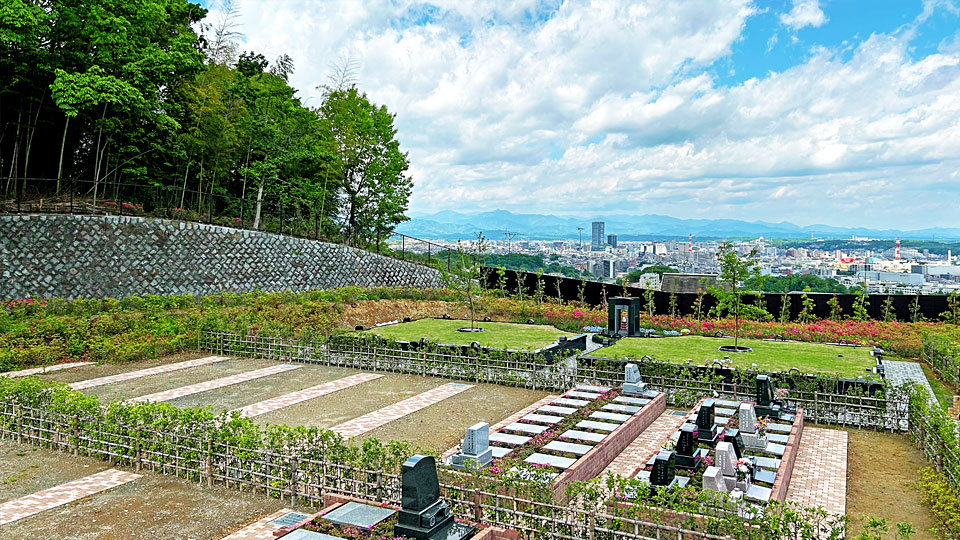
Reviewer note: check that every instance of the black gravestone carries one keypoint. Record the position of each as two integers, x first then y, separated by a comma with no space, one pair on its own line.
688,454
422,514
707,429
733,437
664,469
767,405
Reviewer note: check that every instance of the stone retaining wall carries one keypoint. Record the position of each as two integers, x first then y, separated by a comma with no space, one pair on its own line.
789,459
95,257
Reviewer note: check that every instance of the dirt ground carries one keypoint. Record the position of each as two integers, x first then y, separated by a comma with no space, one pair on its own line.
174,379
150,507
882,481
442,425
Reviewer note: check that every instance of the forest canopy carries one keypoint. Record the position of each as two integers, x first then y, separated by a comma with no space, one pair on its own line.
142,102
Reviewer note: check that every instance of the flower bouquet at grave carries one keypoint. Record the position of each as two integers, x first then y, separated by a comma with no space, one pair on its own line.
669,445
762,427
782,393
744,468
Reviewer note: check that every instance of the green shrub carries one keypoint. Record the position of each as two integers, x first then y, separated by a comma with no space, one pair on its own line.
943,502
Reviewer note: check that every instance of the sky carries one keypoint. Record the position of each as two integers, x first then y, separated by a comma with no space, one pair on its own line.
842,112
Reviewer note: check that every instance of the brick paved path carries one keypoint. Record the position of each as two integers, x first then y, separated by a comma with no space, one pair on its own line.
365,423
510,419
215,383
634,457
90,383
29,505
820,472
287,400
48,369
261,529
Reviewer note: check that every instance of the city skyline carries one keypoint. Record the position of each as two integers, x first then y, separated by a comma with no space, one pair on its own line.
796,110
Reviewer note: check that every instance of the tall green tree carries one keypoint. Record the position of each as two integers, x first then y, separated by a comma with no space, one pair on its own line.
373,187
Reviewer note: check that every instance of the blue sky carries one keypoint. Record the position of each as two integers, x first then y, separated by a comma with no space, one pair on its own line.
845,112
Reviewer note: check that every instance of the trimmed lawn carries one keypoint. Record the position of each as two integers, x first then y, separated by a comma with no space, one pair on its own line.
768,355
495,335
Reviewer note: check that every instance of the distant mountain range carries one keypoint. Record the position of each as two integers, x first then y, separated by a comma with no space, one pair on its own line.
451,225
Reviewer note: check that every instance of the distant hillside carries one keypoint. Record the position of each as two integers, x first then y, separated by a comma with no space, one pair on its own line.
455,225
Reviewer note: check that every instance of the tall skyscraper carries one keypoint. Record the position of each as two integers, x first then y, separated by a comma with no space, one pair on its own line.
612,240
596,243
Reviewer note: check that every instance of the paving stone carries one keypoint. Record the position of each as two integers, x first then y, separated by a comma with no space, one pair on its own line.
215,383
820,472
42,370
543,419
583,435
534,429
35,503
508,439
616,407
634,457
499,452
313,392
592,388
375,419
567,402
609,416
640,402
599,426
553,409
547,459
579,394
262,528
568,448
165,368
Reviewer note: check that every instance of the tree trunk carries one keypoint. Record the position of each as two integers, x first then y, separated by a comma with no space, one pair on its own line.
63,144
256,217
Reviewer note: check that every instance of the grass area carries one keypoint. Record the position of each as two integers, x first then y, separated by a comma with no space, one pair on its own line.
495,335
768,355
942,390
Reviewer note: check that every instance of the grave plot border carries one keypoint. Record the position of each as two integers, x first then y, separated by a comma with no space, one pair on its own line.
682,386
303,479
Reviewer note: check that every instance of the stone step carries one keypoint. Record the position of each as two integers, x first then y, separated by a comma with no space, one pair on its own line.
578,435
610,416
568,448
599,426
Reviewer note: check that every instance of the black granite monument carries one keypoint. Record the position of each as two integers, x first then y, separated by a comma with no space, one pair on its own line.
422,514
688,454
768,405
623,316
707,429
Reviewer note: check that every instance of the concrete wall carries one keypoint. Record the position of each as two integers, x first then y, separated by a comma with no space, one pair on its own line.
93,256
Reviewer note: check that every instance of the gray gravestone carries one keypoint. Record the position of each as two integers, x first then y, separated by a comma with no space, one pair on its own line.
422,514
475,448
631,381
578,435
713,479
508,439
727,460
599,426
609,416
558,462
568,448
748,419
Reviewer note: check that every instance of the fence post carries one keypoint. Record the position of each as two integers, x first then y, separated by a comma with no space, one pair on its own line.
293,479
72,188
208,467
76,435
477,505
137,455
281,218
120,198
593,524
18,412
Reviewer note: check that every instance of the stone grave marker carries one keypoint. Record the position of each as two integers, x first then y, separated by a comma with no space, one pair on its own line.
707,429
713,479
558,462
631,381
475,448
423,515
568,448
688,453
748,418
727,463
733,436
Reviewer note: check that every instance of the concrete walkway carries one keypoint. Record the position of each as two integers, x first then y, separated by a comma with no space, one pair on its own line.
900,373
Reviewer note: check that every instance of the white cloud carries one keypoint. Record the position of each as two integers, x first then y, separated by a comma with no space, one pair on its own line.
804,13
608,107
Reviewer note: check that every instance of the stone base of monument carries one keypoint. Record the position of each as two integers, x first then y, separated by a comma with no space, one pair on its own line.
432,523
638,390
467,461
709,436
752,442
693,462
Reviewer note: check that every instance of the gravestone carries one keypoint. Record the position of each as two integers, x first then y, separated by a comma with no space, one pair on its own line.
707,429
748,428
664,469
354,514
422,514
768,405
713,479
476,449
727,463
631,381
688,455
733,437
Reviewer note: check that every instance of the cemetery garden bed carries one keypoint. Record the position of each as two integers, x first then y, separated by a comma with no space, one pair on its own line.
711,451
836,360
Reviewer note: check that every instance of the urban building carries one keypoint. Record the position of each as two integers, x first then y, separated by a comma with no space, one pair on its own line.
596,243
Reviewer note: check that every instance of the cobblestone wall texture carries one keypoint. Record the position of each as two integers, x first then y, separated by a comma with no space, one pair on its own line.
96,257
